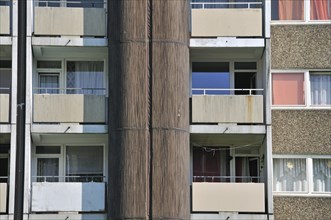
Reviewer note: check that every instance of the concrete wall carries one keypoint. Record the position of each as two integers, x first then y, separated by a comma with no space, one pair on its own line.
227,109
301,131
3,197
85,197
4,108
302,208
300,46
70,21
236,197
4,20
226,22
74,108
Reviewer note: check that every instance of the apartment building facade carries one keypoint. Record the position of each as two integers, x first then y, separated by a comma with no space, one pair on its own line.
259,111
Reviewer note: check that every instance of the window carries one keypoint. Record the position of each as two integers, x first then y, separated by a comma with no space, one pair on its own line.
288,89
305,89
300,10
290,175
320,89
305,175
49,83
215,78
85,77
223,164
5,76
69,163
79,77
322,175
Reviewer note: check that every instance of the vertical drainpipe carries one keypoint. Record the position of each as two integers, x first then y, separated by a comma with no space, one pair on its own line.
21,107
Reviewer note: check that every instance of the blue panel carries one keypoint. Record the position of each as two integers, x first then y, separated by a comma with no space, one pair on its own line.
211,80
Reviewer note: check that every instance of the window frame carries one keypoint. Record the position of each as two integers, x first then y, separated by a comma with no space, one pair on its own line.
306,17
307,88
309,175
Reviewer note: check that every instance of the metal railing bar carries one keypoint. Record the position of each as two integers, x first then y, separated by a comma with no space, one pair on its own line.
203,4
90,178
216,89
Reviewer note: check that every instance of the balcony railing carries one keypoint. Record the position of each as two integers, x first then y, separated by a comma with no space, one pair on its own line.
82,179
70,105
85,91
242,179
223,106
210,91
206,4
71,3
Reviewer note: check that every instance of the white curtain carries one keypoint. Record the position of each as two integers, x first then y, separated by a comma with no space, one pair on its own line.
322,175
48,81
48,167
85,77
84,161
320,85
290,175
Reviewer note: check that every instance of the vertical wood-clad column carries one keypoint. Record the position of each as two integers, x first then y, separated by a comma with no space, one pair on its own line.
170,110
148,109
128,110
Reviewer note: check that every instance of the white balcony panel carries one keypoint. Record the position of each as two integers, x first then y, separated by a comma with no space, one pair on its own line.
76,197
4,108
65,108
3,197
70,21
4,20
227,22
228,197
227,109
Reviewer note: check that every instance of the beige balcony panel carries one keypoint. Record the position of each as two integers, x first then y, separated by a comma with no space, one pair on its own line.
227,109
73,108
4,108
227,22
3,197
70,21
228,197
4,20
74,197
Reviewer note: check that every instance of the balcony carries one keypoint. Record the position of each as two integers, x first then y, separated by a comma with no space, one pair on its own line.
3,196
226,108
4,106
70,18
69,108
68,196
5,17
221,18
227,197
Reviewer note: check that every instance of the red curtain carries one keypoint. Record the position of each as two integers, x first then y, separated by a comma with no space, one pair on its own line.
291,9
320,9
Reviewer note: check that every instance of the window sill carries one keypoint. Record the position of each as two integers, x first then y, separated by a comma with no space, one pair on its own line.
300,22
301,107
301,194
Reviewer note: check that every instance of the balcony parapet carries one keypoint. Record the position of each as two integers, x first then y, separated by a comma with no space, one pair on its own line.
227,197
217,108
3,197
226,19
69,108
68,196
70,18
4,107
5,17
